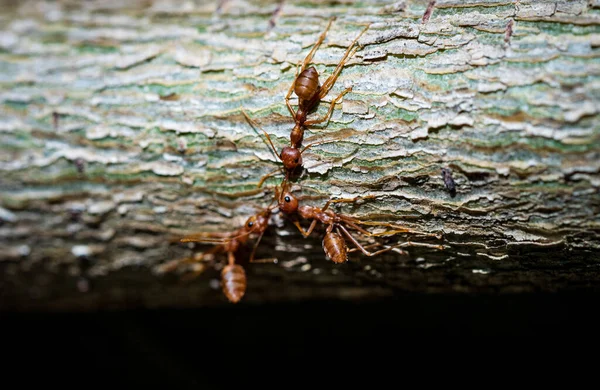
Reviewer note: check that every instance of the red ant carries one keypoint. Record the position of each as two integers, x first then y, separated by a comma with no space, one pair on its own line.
310,93
233,276
334,243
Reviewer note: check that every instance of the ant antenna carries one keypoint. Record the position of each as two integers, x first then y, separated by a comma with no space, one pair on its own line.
256,126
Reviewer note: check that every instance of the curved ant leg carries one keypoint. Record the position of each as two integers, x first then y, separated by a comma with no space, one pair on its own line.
421,244
287,97
327,116
313,197
256,126
374,245
310,55
362,248
253,260
265,177
346,200
256,246
396,229
328,84
207,237
193,275
349,53
318,143
173,264
402,252
353,223
268,260
234,195
306,233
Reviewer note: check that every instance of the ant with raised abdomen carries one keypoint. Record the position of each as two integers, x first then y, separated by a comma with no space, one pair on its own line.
233,276
334,243
306,86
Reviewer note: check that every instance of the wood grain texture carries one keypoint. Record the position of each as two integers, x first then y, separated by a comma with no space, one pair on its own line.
121,130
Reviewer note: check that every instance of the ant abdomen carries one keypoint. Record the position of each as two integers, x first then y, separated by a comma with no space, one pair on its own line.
233,279
335,247
307,84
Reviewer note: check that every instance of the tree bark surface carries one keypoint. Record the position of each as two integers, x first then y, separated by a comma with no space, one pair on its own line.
122,130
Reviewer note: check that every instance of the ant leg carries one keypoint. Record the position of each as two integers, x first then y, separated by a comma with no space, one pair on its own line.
310,55
402,252
421,244
349,53
269,260
353,223
317,143
404,244
287,97
346,200
330,112
215,238
233,195
207,237
173,264
306,233
191,276
262,180
312,197
256,246
396,229
255,125
367,247
362,248
328,84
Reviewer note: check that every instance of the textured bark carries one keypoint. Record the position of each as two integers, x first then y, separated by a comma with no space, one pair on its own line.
121,130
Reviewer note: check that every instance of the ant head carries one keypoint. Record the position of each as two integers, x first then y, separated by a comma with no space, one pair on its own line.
251,223
288,203
258,222
291,158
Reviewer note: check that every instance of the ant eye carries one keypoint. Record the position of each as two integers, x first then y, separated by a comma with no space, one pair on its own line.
296,161
250,224
287,199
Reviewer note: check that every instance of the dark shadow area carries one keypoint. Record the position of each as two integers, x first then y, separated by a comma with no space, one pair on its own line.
212,347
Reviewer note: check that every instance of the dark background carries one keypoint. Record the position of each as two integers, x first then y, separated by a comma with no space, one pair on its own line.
235,345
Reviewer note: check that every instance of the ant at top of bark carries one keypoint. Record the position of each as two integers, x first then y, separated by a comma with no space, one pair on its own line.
306,86
233,276
334,242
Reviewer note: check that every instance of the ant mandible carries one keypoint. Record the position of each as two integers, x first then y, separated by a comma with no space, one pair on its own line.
306,86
